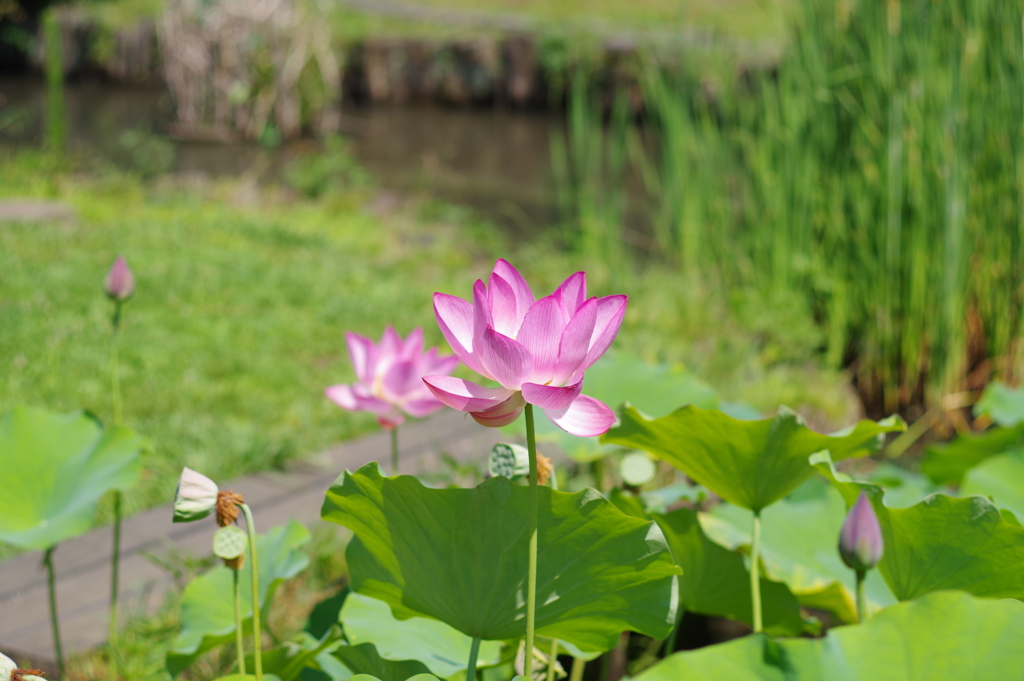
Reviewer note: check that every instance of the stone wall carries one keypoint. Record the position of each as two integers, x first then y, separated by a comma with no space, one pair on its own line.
503,71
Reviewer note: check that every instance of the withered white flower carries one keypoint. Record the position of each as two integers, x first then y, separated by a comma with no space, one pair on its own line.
195,498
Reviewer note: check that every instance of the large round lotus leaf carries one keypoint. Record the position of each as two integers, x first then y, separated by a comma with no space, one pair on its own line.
207,605
715,580
749,463
1003,404
942,542
1000,477
442,649
946,636
55,468
946,464
364,662
459,555
798,547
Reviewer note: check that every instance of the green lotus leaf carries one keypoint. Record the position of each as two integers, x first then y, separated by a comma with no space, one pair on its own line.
716,581
365,662
945,636
56,468
946,464
942,542
247,677
207,605
798,547
442,649
288,660
1003,404
417,677
1000,477
459,556
748,463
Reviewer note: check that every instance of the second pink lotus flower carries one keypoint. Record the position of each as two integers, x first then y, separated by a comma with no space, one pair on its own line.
390,377
536,350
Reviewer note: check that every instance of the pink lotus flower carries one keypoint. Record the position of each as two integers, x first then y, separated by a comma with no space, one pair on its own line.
390,377
536,350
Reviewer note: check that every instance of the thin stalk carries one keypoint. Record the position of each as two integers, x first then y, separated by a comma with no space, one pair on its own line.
531,569
578,667
56,125
673,638
755,580
474,650
257,644
553,659
394,451
862,603
115,565
115,377
115,583
51,582
239,635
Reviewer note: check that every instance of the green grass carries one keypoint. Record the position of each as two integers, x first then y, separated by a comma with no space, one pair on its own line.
237,323
734,18
243,298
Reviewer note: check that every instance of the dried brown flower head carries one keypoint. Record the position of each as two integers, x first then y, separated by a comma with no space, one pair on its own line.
227,507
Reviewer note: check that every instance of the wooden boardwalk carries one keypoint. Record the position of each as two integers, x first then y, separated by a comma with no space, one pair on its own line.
83,564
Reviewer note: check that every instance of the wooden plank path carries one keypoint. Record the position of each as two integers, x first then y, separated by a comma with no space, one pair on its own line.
83,564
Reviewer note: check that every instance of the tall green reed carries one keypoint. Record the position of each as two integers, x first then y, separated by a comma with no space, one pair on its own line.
875,171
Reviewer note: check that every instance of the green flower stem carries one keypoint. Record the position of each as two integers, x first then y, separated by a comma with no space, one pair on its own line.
474,650
673,637
553,659
755,579
115,561
394,450
597,468
115,587
862,603
531,569
239,635
257,644
578,667
51,581
115,377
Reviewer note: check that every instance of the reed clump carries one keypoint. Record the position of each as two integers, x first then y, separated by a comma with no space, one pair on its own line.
875,173
264,70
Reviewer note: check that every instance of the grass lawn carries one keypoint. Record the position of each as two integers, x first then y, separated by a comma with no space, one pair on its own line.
237,323
734,18
243,298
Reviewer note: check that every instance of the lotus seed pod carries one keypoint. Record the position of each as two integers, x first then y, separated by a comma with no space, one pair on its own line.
860,540
512,461
120,282
195,498
229,542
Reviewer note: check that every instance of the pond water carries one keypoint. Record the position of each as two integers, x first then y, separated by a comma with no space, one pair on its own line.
496,161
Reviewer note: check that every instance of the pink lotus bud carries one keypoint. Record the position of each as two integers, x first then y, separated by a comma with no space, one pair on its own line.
120,282
195,498
860,540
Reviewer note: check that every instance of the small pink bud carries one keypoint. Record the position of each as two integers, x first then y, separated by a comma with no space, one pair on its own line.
120,282
860,540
